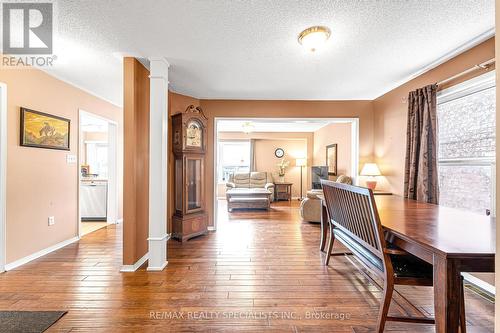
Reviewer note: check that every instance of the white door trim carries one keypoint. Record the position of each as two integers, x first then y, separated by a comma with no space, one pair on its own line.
354,150
112,199
3,175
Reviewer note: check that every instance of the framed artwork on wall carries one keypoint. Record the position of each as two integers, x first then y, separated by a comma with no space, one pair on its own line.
43,130
331,159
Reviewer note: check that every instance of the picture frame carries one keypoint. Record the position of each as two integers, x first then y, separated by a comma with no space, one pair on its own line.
331,159
43,130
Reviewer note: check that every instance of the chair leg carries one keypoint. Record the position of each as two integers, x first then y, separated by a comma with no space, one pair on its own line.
463,323
331,240
384,306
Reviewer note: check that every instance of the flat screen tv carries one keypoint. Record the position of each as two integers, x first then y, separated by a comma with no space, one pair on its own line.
318,173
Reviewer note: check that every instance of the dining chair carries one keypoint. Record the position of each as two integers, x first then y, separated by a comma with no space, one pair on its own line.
355,223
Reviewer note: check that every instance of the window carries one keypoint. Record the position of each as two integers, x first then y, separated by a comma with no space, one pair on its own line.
97,158
234,156
466,136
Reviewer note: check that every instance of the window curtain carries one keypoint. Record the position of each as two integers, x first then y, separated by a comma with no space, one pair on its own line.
421,173
252,155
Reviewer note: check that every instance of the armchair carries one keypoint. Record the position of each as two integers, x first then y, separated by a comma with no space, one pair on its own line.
310,207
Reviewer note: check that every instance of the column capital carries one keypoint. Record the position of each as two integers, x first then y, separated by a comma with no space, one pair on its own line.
158,67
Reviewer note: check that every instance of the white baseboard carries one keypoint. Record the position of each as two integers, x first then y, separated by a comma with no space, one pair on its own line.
119,221
211,228
39,254
134,267
479,283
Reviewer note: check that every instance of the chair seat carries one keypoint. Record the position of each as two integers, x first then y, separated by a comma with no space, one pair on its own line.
409,266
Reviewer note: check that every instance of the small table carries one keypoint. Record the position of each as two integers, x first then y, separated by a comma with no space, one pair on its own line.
283,191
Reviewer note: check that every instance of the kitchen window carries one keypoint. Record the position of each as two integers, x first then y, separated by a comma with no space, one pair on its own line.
466,145
97,158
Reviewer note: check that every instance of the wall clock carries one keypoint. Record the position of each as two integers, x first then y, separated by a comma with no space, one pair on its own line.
279,153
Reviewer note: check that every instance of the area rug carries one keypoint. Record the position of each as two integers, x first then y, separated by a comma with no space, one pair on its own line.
28,321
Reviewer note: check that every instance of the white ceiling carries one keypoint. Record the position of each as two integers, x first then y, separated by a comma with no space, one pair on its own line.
275,125
248,49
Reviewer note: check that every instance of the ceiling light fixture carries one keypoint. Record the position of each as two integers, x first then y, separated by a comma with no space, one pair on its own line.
314,37
248,127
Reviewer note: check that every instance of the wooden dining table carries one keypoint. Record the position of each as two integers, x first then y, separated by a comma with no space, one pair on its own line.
452,240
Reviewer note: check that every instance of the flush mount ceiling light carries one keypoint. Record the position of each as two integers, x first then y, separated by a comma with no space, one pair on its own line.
248,127
314,37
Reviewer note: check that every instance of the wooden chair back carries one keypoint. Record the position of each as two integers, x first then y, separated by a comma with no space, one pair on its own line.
356,223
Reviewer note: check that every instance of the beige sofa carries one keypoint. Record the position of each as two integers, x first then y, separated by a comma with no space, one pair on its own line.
249,190
310,207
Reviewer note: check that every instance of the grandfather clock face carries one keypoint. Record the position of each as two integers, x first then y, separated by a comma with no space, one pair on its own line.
194,134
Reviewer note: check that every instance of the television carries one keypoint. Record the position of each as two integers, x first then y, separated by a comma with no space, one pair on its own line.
318,173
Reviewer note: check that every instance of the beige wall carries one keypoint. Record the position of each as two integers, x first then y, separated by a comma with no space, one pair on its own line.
390,112
334,133
39,181
295,145
95,136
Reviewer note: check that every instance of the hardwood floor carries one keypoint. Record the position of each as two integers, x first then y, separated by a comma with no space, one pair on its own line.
260,272
88,227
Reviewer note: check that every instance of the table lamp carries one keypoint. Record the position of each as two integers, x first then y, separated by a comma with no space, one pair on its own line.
301,162
371,170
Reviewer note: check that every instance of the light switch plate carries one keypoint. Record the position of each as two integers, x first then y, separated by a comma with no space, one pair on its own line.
71,159
52,220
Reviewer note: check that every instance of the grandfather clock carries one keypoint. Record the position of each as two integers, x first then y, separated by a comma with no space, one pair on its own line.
189,131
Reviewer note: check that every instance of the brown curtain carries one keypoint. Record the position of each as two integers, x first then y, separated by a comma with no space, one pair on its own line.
421,174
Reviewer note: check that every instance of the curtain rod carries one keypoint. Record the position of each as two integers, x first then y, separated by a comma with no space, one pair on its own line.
485,65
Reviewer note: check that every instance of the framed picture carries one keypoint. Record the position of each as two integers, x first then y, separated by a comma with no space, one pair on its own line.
42,130
331,159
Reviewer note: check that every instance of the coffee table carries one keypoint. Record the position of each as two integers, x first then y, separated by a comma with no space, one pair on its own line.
248,198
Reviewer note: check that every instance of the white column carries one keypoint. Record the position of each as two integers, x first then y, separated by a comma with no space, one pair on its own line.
158,164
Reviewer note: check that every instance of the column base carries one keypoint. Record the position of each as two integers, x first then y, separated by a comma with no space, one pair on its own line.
157,253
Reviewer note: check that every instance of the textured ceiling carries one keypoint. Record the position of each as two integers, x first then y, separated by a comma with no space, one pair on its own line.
249,50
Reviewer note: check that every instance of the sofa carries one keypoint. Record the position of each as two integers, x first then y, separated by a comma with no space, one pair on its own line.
249,190
310,207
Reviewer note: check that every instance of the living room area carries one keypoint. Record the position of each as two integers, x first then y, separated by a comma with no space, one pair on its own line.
265,161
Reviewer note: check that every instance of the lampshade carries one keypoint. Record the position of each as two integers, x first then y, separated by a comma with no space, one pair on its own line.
300,162
370,169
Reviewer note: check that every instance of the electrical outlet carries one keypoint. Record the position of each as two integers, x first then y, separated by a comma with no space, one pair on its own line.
52,220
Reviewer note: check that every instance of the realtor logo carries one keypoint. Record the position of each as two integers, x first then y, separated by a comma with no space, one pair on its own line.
27,28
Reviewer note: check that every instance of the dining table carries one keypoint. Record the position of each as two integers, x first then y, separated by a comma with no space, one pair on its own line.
451,239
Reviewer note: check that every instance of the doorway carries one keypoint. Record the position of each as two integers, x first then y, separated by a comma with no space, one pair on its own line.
3,173
98,183
297,144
